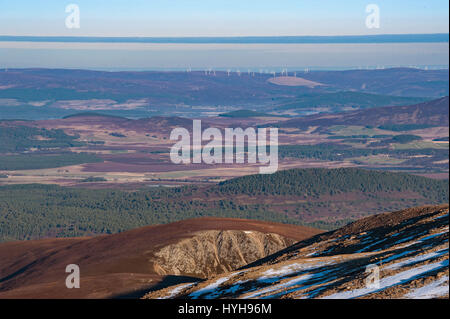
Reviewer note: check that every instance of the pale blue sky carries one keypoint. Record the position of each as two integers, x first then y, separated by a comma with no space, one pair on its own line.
221,17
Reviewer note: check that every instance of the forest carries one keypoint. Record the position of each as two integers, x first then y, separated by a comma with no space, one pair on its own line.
37,211
22,138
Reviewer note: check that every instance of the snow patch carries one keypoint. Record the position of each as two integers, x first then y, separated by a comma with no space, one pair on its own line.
390,281
416,259
177,290
432,290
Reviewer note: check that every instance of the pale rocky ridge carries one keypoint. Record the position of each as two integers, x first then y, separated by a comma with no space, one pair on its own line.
408,248
134,262
213,252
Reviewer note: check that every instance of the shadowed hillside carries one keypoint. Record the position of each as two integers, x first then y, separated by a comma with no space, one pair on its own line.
141,258
434,112
409,250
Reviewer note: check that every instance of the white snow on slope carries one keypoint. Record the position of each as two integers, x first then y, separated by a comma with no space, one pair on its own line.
300,280
390,281
417,259
291,269
177,290
371,245
437,288
212,289
421,240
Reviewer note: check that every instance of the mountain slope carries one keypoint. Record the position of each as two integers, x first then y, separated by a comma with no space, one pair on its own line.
435,112
392,81
314,182
120,264
409,247
338,101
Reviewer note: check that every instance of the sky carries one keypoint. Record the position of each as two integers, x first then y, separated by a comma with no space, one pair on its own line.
179,18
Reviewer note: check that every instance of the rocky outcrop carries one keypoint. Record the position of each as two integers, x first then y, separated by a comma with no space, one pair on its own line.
214,252
399,255
124,265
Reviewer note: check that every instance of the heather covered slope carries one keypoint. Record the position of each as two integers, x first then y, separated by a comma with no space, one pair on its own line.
394,81
433,113
343,101
409,247
121,264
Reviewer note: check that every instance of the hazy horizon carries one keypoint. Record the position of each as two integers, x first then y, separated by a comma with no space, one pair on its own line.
224,34
183,18
271,57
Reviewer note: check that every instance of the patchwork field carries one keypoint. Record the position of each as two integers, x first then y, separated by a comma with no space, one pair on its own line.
99,188
136,152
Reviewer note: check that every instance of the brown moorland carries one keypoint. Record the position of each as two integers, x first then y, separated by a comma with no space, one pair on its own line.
130,263
408,249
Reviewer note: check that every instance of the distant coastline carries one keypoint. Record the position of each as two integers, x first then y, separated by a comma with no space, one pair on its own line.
383,38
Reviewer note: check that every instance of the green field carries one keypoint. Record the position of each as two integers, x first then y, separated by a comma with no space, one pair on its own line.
420,145
45,160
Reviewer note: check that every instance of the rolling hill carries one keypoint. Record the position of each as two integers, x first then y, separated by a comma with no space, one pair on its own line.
338,101
407,250
244,114
128,263
26,93
435,112
392,81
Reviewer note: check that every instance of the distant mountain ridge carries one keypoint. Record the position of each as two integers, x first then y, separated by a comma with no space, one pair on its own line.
54,93
390,81
435,112
347,100
382,38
